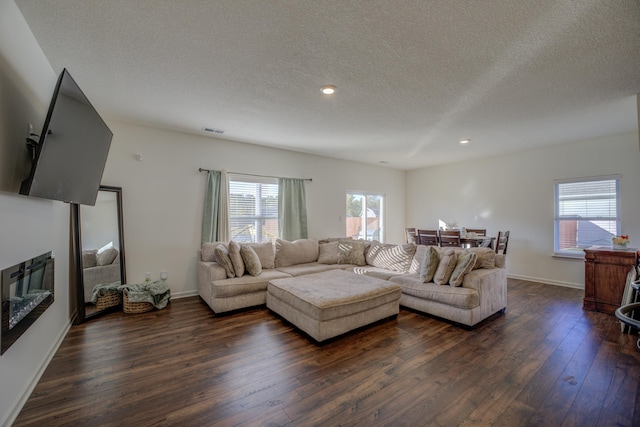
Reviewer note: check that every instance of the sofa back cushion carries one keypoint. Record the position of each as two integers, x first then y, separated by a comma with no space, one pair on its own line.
208,251
89,258
299,251
391,257
106,257
486,257
328,253
265,254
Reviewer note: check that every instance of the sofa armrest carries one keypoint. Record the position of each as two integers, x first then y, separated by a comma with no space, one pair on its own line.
501,261
207,273
491,284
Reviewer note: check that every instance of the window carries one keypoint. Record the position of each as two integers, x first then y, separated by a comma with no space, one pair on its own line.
587,213
253,208
365,216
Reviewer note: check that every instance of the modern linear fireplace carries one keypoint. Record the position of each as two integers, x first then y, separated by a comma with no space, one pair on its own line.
27,291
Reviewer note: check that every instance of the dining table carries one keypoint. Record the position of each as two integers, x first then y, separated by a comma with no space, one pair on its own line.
475,241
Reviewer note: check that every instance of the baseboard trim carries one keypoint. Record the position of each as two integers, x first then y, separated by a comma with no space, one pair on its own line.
13,414
184,294
547,281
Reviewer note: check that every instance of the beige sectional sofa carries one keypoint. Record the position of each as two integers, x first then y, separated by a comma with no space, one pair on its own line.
479,291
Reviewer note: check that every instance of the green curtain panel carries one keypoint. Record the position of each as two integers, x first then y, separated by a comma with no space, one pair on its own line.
215,216
292,208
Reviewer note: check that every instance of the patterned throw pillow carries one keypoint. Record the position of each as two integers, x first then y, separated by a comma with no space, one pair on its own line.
391,257
328,253
222,258
445,268
465,264
351,252
429,264
486,257
251,260
236,258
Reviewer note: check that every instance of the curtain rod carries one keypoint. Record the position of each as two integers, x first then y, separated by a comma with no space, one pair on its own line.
251,174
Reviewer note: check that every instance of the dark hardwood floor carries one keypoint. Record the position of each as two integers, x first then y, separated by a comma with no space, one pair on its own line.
546,362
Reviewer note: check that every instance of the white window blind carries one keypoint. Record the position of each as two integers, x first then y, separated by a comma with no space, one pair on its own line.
587,213
253,208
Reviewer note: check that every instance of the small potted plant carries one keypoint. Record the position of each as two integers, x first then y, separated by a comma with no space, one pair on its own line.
620,242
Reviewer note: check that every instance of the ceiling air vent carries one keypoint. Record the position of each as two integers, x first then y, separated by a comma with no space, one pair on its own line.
213,130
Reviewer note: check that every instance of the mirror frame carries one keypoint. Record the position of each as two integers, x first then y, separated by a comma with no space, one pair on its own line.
76,275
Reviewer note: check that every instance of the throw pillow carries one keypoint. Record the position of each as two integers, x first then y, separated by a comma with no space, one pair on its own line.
351,252
486,257
445,267
429,264
208,251
236,258
251,260
106,257
222,258
328,253
391,257
464,265
265,253
299,251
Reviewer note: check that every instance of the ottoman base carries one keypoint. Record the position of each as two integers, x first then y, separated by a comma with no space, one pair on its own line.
329,304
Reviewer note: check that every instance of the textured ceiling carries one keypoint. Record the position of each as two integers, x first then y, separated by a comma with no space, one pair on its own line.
413,77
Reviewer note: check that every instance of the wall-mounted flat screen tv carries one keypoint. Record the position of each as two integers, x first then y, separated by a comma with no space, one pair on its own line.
72,150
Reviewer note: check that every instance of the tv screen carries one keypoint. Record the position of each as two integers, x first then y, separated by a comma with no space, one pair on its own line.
72,150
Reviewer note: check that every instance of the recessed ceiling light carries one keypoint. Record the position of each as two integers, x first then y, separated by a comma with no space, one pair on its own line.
329,89
465,141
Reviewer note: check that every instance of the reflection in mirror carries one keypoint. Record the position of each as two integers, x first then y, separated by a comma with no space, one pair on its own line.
100,252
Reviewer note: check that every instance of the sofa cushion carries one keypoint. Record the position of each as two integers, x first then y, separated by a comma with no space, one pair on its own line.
236,258
222,258
251,260
309,268
328,252
460,297
429,264
244,285
106,257
208,250
391,257
446,265
89,258
265,253
485,257
377,272
351,252
299,251
465,264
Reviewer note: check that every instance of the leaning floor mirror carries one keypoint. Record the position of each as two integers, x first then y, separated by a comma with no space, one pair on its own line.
97,235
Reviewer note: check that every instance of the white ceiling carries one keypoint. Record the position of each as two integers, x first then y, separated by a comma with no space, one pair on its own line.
413,77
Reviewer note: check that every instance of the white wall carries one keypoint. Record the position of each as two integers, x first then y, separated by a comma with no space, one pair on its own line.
28,227
515,192
163,194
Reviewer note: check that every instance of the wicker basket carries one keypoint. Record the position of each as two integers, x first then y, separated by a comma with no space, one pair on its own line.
109,299
135,307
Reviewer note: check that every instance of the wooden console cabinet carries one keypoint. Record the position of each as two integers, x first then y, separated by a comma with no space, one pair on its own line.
605,276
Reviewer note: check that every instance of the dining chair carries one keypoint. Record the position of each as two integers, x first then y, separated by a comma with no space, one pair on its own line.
410,235
449,238
428,237
502,241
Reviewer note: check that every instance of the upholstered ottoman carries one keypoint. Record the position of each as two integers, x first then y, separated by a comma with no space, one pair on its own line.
328,304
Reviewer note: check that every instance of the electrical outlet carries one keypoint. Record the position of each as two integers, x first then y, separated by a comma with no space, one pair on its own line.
163,275
147,275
